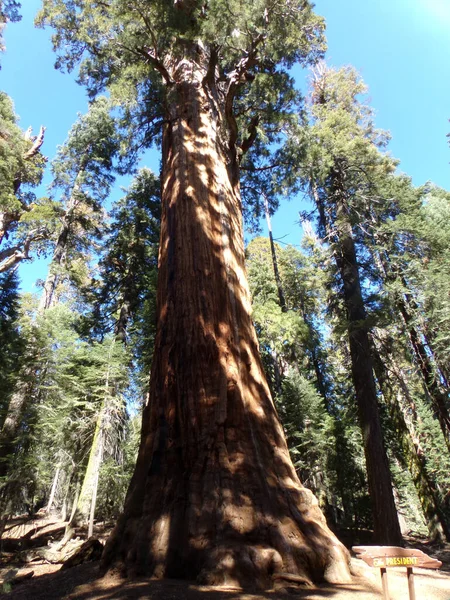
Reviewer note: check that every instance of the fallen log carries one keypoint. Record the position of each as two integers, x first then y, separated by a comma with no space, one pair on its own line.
91,550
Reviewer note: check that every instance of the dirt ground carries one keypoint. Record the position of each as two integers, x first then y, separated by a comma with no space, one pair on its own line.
83,582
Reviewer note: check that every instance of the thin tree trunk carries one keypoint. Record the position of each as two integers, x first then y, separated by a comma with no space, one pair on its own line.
26,386
84,503
435,395
386,525
425,485
47,298
74,503
94,496
87,500
214,494
433,390
53,489
273,252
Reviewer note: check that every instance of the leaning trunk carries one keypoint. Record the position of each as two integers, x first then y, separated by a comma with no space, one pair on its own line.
47,298
53,489
214,495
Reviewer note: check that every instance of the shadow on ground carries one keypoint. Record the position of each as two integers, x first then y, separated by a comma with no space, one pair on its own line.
83,583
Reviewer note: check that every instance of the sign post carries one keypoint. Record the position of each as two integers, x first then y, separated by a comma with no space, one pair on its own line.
393,556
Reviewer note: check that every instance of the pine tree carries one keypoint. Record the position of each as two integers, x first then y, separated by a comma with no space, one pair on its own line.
21,167
404,425
345,147
127,267
10,339
214,494
83,175
412,250
83,172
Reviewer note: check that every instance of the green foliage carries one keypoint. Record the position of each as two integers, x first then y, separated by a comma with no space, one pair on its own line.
134,51
21,168
83,173
115,475
129,258
301,358
231,27
9,12
310,433
85,163
15,168
418,243
11,340
74,381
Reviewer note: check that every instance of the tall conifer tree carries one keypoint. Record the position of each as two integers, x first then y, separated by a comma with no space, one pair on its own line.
214,493
344,162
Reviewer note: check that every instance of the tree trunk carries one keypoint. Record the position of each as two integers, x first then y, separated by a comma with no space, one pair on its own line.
83,506
273,252
407,306
413,454
436,397
88,495
53,489
386,525
214,495
94,499
13,419
47,299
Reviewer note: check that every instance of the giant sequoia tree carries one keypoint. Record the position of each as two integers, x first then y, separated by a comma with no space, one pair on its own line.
214,493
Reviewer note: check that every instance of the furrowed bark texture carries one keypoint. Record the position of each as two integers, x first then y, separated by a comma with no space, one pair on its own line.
214,495
385,518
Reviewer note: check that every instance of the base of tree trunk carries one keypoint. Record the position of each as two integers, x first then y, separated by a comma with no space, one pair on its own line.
294,545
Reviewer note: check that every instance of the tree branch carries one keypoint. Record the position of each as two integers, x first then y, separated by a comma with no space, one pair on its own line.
36,145
12,256
157,64
266,168
235,79
249,140
209,78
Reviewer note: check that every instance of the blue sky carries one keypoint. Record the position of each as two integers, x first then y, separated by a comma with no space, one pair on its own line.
401,48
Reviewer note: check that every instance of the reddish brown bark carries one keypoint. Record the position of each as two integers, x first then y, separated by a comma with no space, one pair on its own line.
385,517
214,495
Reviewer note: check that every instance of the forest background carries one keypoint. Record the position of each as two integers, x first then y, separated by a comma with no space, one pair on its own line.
401,53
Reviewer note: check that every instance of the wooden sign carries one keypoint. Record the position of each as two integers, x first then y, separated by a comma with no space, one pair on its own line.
393,556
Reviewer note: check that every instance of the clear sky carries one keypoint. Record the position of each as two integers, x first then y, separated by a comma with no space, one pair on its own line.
401,48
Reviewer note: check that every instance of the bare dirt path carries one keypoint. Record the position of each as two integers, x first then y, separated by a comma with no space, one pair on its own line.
82,583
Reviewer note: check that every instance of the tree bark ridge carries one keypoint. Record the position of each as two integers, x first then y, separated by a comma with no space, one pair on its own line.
229,508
